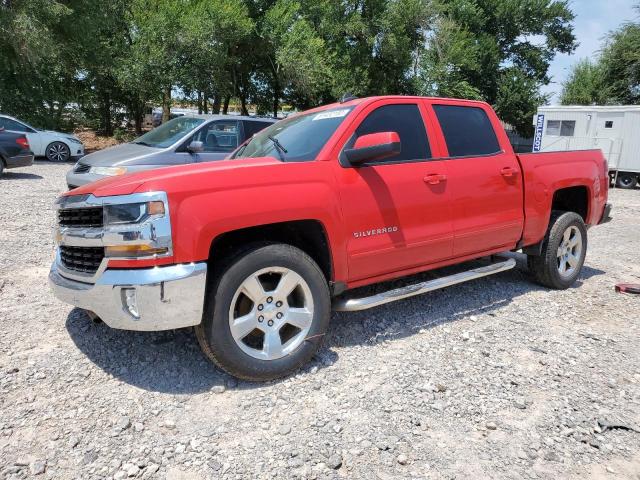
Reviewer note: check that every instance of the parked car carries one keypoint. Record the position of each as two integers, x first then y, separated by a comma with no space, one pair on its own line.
185,139
157,118
55,146
253,252
14,150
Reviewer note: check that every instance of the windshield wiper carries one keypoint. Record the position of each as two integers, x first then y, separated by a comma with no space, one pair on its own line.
279,147
143,143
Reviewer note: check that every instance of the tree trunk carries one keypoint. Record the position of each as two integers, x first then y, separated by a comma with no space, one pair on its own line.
243,105
200,102
166,104
225,105
276,99
215,107
205,102
105,106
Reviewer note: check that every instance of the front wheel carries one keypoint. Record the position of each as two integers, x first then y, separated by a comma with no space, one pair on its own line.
563,252
266,313
58,152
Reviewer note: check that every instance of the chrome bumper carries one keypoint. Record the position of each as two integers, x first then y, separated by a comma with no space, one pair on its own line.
165,297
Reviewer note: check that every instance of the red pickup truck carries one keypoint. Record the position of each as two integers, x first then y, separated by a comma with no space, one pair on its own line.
255,251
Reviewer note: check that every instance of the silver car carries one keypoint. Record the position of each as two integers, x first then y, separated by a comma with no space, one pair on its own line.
186,139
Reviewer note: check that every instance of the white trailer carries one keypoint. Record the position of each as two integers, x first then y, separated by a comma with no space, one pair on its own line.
613,129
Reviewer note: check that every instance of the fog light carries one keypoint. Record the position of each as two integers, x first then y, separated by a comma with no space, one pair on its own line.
130,302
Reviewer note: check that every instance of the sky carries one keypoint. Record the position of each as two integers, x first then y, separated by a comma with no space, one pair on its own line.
594,19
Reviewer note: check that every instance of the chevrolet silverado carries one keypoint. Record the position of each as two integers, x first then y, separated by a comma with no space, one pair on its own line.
255,251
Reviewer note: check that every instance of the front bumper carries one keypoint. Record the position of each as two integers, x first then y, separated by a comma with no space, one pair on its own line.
25,160
606,214
166,297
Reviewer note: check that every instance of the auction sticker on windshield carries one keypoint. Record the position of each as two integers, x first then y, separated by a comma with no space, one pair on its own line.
331,114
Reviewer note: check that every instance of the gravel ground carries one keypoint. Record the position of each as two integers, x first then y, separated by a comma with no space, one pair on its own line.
497,378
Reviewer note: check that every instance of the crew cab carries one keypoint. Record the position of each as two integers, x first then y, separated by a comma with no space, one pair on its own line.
255,251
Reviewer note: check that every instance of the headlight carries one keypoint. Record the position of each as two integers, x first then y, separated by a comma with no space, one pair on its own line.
108,171
141,229
74,140
119,214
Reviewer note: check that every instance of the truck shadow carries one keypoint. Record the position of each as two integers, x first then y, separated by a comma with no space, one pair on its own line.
171,361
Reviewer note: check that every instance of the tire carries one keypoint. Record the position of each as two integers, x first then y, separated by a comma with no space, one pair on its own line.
265,345
1,167
58,152
627,180
564,246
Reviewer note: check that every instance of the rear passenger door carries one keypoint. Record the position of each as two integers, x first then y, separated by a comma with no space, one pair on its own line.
485,182
396,210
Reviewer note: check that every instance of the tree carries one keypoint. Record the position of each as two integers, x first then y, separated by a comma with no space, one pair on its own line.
511,44
614,77
620,61
586,85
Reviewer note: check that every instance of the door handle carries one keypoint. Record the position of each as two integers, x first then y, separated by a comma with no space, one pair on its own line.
435,178
508,172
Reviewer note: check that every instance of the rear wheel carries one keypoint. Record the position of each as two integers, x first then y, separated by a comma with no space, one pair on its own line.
563,252
58,152
627,180
266,313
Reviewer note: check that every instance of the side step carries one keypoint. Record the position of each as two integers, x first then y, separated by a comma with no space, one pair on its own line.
355,304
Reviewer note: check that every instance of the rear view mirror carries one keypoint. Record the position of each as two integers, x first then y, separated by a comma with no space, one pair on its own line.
374,146
196,147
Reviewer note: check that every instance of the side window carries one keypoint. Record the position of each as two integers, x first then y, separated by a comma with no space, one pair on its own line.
561,128
407,122
12,125
220,136
251,128
467,131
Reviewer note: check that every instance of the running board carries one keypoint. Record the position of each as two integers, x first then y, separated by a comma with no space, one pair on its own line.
355,304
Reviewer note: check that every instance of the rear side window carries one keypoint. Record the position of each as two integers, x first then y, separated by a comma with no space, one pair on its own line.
467,130
251,127
407,122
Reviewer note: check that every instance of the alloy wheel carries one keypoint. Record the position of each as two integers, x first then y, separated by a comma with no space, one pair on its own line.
569,251
271,313
58,152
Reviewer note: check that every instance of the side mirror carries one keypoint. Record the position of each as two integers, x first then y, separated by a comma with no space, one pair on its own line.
374,146
195,147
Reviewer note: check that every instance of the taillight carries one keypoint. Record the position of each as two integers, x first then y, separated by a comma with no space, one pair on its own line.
23,142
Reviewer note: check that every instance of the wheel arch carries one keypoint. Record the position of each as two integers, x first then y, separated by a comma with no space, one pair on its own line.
572,199
567,199
309,235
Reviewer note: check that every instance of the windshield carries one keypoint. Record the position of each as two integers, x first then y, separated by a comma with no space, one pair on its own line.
295,139
169,133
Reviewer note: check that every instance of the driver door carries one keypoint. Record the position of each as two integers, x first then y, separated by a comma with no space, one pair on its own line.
397,209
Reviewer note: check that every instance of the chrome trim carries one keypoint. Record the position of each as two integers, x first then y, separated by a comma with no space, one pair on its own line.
168,297
356,304
154,231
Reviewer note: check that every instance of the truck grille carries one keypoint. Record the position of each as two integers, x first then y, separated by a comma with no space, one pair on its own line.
82,259
80,217
81,168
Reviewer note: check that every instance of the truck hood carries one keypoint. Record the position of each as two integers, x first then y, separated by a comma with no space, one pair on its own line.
124,154
168,178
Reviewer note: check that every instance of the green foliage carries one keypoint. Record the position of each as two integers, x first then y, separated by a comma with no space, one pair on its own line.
621,63
585,85
103,62
614,77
